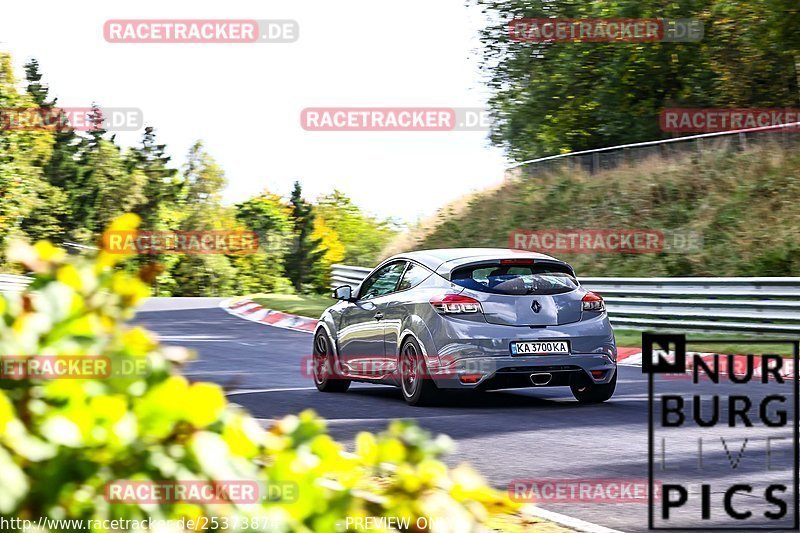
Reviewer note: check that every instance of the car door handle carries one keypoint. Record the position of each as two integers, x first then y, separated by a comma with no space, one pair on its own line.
378,316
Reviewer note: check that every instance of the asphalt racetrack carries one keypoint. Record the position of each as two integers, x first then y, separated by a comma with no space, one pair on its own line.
527,434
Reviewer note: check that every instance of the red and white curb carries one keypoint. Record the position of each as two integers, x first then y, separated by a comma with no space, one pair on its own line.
250,310
633,357
629,356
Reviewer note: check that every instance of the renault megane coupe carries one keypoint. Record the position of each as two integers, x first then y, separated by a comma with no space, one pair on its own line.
479,318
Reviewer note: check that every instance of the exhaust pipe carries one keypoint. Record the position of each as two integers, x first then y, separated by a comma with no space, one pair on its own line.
541,379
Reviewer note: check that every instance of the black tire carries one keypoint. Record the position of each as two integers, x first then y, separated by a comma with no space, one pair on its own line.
585,391
416,384
326,377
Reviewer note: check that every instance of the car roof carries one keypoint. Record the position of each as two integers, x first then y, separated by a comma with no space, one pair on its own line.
443,260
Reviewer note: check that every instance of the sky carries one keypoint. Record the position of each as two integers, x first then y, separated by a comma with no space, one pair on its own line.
244,100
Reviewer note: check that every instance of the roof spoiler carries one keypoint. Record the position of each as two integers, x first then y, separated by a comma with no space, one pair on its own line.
446,268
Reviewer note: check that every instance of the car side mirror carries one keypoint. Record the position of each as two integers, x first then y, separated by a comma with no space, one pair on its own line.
345,292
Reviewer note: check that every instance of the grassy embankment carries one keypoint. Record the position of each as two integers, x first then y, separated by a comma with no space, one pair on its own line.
742,203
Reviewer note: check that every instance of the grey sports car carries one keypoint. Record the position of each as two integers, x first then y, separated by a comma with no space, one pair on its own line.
468,318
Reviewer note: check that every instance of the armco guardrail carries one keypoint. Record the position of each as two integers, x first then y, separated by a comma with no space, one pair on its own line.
758,305
16,283
347,275
763,305
13,283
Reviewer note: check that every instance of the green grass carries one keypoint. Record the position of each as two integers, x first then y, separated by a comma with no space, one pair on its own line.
742,204
310,305
632,338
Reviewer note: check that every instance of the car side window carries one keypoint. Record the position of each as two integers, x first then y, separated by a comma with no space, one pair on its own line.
414,275
382,282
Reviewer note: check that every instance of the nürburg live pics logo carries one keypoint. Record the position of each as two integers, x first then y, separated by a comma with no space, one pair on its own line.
723,442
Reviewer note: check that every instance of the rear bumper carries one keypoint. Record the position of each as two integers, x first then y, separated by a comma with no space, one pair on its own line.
532,371
478,356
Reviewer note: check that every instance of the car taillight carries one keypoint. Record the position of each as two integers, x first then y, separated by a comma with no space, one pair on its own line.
593,302
517,261
456,303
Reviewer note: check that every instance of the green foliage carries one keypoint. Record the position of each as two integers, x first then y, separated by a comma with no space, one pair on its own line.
67,185
63,440
301,261
35,88
551,98
201,189
105,189
162,185
270,218
363,236
207,274
332,252
23,191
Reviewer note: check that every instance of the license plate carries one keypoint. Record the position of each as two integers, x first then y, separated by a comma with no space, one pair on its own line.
540,348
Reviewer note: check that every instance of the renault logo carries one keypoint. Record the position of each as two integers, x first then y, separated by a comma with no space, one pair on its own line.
536,306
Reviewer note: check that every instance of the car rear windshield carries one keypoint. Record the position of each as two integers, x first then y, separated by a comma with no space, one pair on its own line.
516,279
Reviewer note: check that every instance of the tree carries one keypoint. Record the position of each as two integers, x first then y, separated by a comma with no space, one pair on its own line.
65,184
362,236
201,187
267,215
62,172
198,208
104,188
162,186
203,275
49,214
35,88
52,217
301,262
161,190
332,249
26,201
550,98
270,218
